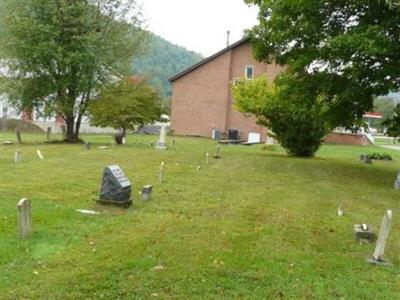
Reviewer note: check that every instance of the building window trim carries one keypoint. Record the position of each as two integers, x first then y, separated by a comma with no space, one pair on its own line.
246,72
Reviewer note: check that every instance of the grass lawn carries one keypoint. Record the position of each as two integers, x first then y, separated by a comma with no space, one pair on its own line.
255,224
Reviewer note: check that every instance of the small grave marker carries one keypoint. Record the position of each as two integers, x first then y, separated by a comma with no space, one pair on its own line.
17,156
161,175
87,146
115,187
40,155
218,154
364,232
340,211
382,238
207,158
146,192
161,143
24,216
397,182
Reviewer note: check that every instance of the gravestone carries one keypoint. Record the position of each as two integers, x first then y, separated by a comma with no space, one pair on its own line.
365,159
364,232
161,175
161,143
115,187
18,135
340,211
146,192
87,146
17,156
207,158
24,216
48,134
218,154
383,237
40,155
397,182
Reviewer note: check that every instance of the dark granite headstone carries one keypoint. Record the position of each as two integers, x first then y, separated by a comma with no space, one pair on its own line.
115,187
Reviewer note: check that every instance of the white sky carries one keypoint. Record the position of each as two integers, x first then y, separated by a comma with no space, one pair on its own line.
199,25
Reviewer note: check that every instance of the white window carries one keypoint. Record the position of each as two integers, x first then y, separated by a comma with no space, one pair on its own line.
249,72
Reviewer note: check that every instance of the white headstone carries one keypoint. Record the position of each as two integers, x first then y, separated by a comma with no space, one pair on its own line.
146,192
207,158
340,211
17,156
162,142
39,154
24,213
383,236
160,177
397,182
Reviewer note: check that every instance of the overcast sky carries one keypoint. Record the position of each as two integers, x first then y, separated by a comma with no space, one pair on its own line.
199,25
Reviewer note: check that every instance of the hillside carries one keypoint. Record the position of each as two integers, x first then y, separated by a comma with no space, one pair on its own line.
162,61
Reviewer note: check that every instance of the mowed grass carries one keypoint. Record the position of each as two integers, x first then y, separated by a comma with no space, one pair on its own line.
255,224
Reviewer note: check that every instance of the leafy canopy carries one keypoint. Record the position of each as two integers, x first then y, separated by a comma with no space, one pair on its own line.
299,120
126,104
58,53
350,47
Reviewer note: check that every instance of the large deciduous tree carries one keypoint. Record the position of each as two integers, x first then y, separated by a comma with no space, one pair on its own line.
126,104
57,53
350,48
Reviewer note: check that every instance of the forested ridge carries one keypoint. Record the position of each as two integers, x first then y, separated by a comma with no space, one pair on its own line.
163,60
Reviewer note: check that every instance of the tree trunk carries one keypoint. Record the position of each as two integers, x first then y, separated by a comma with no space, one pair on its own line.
78,126
70,129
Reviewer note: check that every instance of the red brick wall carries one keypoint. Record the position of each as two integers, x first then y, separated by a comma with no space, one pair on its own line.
346,139
201,99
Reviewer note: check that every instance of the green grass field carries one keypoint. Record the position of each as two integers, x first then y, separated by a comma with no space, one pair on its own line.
255,224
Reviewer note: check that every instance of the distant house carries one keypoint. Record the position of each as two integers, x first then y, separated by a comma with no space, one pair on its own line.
202,99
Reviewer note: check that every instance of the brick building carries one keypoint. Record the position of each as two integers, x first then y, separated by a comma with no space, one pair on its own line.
201,95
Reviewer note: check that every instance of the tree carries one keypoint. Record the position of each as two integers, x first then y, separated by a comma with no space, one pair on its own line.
58,53
298,118
393,123
350,47
126,104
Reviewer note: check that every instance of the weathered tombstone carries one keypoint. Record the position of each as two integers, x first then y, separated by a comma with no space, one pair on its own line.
397,182
340,211
207,158
218,154
18,135
161,143
40,155
161,175
146,192
382,238
364,232
48,134
17,156
115,187
87,146
24,216
366,159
